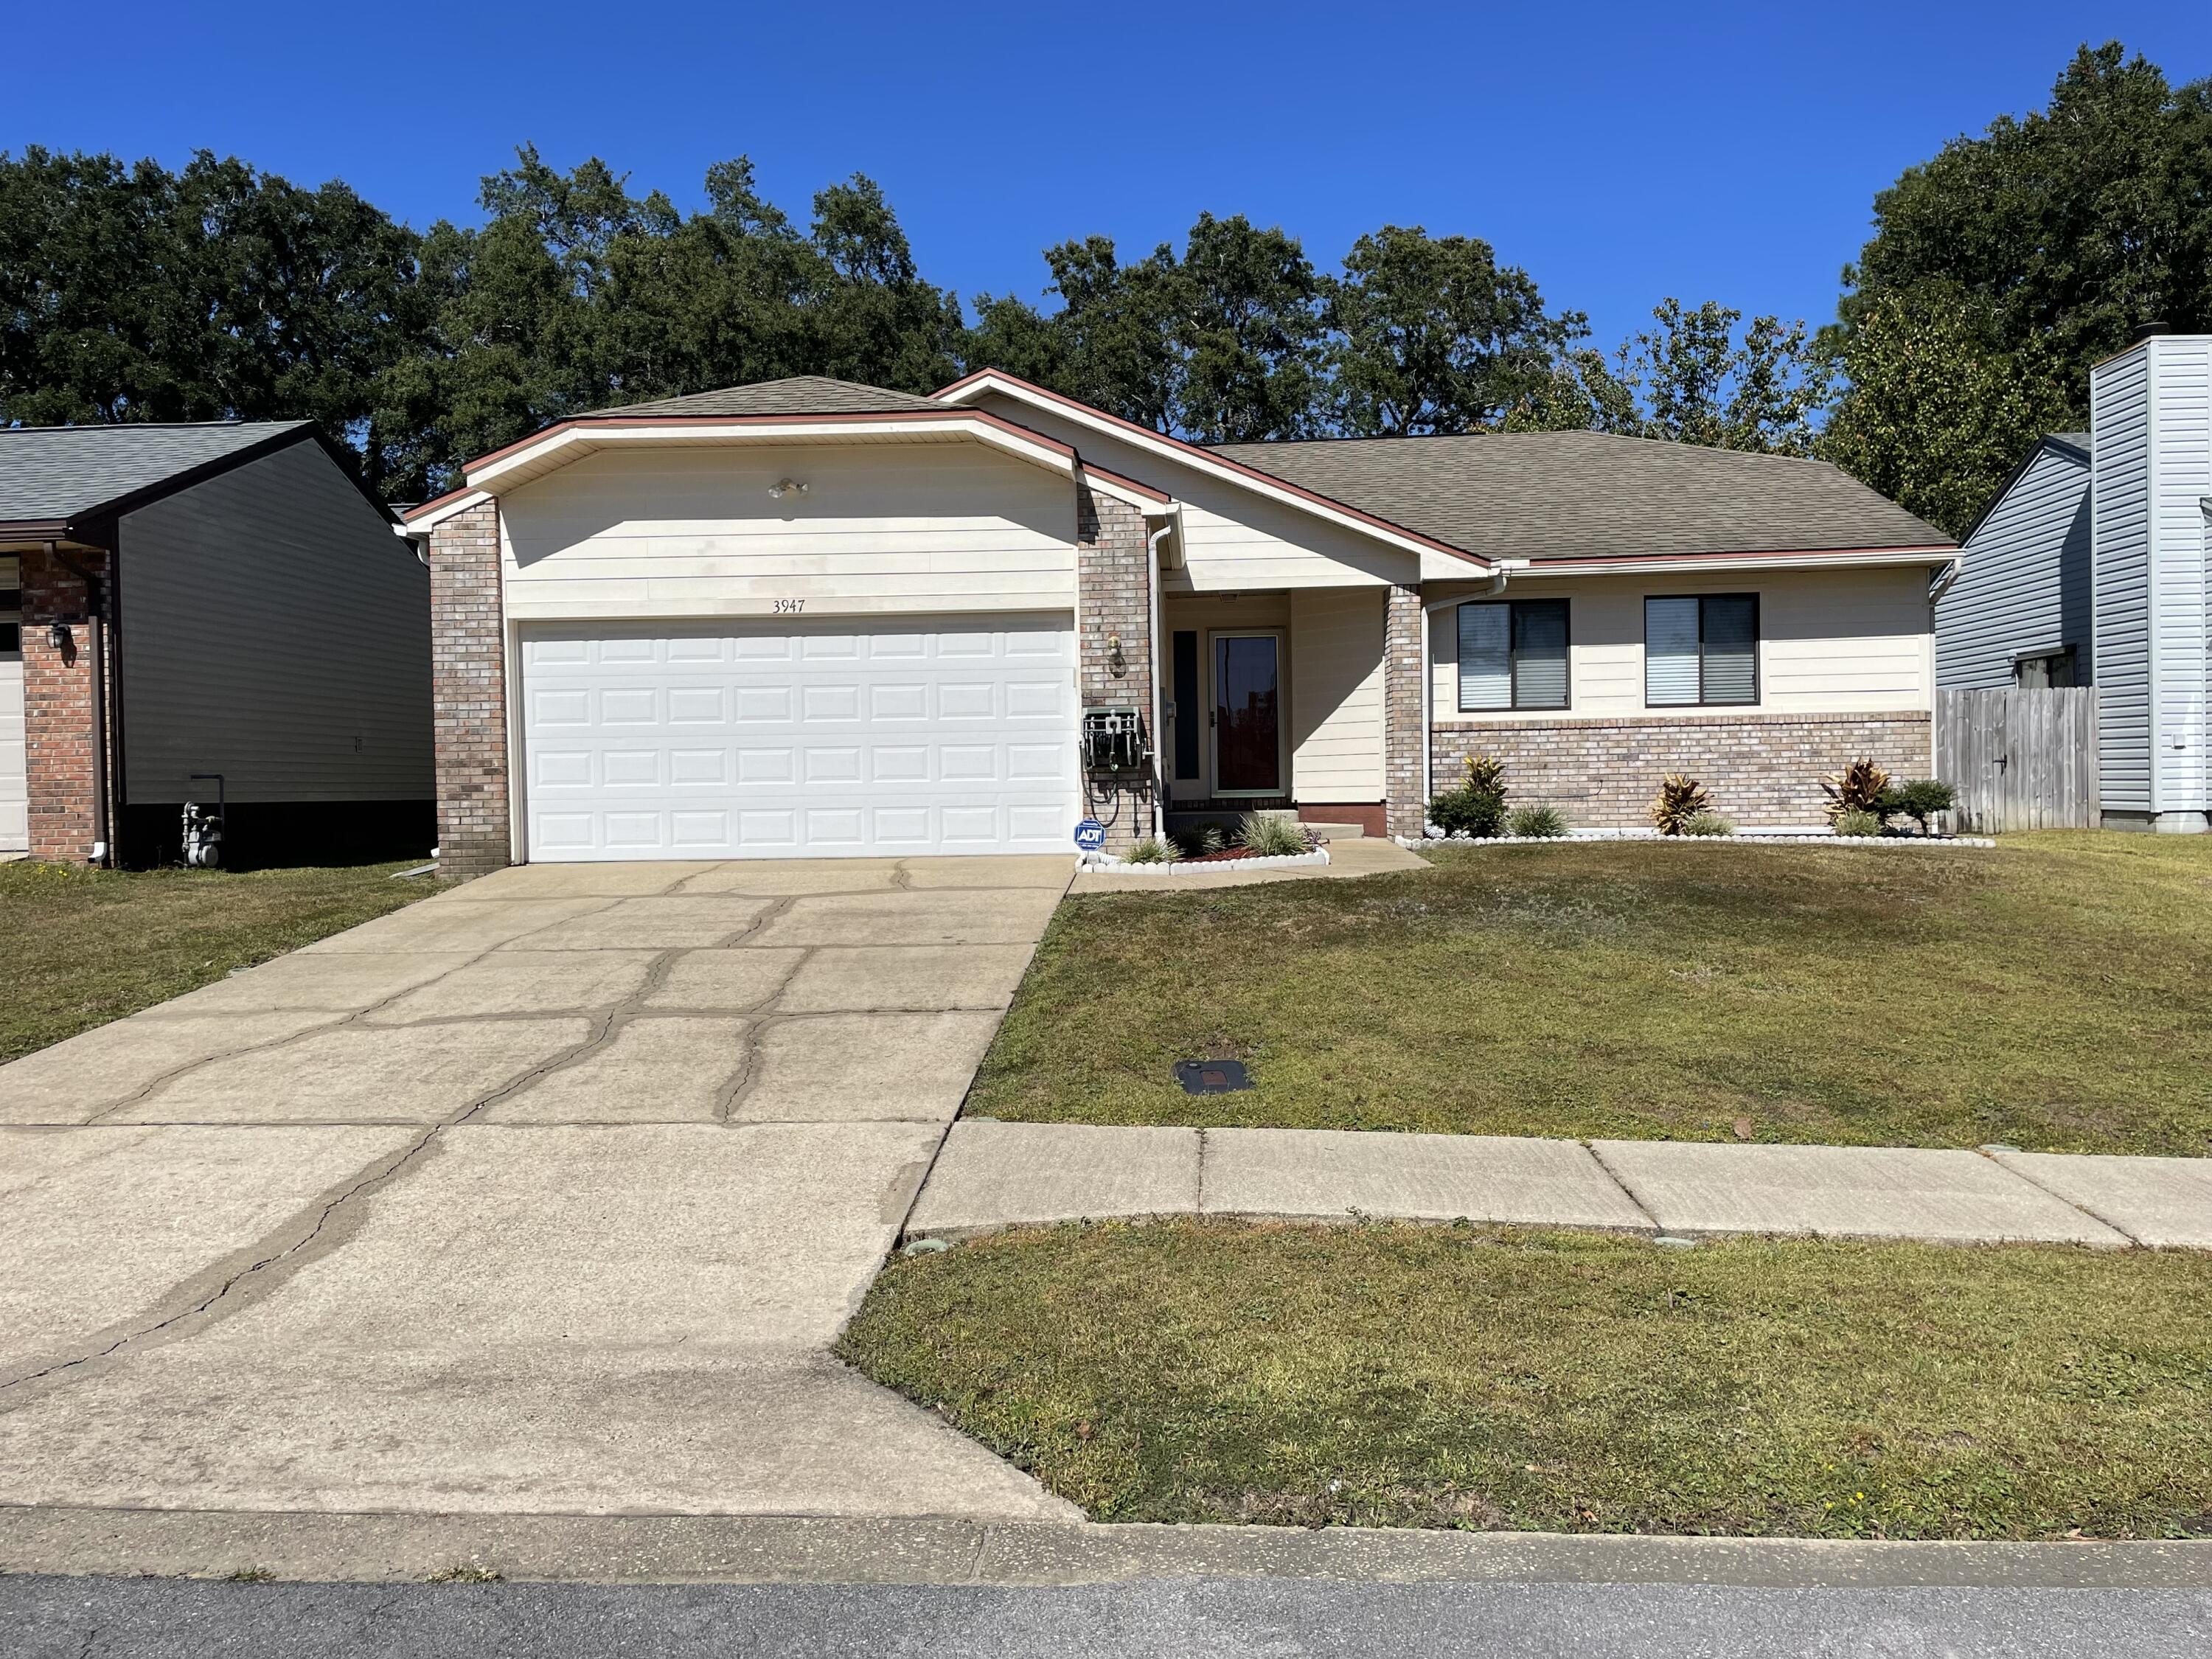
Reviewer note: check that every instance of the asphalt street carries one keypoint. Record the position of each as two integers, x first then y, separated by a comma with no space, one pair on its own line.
55,1618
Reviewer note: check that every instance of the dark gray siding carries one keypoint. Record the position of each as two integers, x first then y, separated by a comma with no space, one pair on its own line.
2023,586
274,629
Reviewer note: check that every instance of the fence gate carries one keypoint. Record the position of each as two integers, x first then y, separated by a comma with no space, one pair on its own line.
2020,760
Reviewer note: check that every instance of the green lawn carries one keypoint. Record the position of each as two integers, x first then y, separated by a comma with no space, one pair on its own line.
1393,1375
85,946
2055,993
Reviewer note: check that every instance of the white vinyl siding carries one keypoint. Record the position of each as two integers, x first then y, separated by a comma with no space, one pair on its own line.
1336,668
2023,583
272,627
1842,642
2181,479
756,739
2119,399
915,528
1233,539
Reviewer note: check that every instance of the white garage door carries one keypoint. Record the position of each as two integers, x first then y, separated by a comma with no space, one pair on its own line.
743,740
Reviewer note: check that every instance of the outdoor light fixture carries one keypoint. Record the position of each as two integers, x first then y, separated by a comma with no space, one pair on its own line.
788,487
58,636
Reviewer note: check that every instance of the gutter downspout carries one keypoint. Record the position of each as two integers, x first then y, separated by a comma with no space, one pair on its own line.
101,853
1498,581
1159,609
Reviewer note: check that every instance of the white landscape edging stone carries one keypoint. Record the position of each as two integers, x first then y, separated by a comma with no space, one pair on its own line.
1121,866
1762,837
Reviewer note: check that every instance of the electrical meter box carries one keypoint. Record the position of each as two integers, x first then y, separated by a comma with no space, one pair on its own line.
1114,740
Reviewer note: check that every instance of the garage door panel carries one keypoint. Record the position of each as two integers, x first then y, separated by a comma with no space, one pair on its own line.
947,738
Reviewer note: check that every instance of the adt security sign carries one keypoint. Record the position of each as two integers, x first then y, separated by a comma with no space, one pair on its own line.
1091,835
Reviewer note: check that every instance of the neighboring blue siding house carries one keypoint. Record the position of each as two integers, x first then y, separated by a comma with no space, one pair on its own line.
2018,613
2091,568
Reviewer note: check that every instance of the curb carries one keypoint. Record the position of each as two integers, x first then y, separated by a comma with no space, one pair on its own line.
928,1550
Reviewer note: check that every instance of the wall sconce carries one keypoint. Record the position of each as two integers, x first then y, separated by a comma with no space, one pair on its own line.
1116,662
786,487
58,636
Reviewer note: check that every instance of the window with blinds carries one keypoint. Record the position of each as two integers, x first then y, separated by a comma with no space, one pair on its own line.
1512,654
1701,649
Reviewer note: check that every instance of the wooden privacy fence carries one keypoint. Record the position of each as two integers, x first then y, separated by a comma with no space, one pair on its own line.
2020,760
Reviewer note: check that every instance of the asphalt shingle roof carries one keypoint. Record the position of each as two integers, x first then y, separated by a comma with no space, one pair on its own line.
1576,494
802,394
66,471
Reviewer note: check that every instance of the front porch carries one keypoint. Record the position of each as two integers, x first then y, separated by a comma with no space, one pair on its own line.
1274,701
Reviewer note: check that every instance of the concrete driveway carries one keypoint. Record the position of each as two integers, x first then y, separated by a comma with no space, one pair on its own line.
546,1194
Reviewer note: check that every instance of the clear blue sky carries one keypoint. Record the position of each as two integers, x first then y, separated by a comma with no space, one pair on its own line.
1621,152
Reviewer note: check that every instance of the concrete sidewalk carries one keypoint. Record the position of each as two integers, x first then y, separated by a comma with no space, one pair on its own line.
991,1175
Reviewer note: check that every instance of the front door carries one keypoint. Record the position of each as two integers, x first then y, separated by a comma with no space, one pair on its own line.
1248,721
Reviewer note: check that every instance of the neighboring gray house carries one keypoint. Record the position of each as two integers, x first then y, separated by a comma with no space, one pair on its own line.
222,604
2090,568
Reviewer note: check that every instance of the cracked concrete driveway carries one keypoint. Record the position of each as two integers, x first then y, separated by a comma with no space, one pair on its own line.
547,1194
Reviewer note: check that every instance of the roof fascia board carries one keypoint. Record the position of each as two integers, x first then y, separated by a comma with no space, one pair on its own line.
958,394
1800,559
436,511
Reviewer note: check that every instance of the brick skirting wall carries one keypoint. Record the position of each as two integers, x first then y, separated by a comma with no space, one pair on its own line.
468,693
1760,769
1114,601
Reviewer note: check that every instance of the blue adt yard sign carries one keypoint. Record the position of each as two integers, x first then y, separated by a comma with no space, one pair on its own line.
1091,835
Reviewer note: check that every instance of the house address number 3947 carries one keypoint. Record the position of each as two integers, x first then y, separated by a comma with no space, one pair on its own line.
788,607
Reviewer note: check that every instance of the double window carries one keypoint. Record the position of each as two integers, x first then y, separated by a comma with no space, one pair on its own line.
1512,654
1699,649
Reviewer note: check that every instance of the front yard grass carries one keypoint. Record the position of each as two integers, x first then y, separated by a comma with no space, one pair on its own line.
1403,1376
2050,994
86,946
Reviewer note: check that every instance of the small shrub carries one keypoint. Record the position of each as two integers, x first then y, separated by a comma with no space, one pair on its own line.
1537,822
1707,824
1477,807
1920,800
1200,839
1862,787
1681,797
1853,821
1468,812
1266,838
1150,850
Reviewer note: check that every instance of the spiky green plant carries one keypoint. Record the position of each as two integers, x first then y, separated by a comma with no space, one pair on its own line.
1537,822
1265,836
1681,797
1150,850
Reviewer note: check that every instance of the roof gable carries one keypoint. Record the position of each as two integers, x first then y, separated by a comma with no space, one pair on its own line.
57,474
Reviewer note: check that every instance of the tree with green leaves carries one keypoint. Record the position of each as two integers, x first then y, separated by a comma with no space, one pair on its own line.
1431,334
1696,377
2027,253
1938,414
136,294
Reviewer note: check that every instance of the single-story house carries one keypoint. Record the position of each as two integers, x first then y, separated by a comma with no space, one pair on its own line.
2089,568
205,612
809,618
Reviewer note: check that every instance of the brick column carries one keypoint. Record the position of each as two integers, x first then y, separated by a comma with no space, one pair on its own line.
1114,602
1402,736
468,689
59,768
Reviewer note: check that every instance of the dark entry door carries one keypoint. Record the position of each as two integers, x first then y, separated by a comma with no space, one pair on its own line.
1247,732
